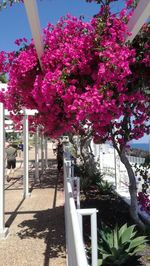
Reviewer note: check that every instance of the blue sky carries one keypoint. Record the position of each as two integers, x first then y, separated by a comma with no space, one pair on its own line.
14,23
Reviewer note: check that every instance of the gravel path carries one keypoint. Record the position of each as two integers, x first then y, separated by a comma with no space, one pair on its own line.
36,224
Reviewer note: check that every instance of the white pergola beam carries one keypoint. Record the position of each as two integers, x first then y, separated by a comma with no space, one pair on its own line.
140,15
33,17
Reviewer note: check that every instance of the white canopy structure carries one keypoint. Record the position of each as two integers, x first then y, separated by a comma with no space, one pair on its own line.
9,128
33,17
140,15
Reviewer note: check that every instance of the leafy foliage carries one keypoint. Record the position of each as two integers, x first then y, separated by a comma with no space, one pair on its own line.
5,3
144,202
86,178
144,171
104,187
3,78
143,196
119,246
131,3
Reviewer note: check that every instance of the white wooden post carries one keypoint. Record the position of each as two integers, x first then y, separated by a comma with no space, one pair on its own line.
117,169
42,153
94,238
93,216
26,156
78,192
3,230
46,161
101,157
37,154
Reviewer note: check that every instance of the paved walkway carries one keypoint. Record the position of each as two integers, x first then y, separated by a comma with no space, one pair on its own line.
36,224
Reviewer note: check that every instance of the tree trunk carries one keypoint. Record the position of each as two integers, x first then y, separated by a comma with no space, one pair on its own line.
88,156
132,190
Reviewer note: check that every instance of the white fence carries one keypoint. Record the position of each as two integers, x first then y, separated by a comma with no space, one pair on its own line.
76,254
105,155
74,243
111,166
134,160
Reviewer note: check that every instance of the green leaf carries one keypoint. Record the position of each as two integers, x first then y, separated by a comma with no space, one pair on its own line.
121,230
137,242
105,256
115,237
114,251
127,234
99,262
118,246
137,249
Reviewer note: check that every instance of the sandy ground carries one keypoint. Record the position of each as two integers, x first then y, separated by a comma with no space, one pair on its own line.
36,224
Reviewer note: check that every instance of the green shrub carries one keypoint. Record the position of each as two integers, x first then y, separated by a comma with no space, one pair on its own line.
119,246
143,171
87,178
104,187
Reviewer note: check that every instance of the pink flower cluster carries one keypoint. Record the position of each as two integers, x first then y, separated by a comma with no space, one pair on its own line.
2,62
84,79
144,202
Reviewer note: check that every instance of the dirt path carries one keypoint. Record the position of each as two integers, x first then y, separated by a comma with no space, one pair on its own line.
36,224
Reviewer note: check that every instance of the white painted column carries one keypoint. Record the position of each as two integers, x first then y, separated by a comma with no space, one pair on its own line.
37,154
93,216
42,153
46,161
94,238
78,192
117,169
101,157
3,230
26,156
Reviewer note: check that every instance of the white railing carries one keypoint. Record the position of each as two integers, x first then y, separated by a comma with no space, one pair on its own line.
134,160
76,255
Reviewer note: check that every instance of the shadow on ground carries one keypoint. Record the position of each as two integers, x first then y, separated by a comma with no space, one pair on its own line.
47,225
47,178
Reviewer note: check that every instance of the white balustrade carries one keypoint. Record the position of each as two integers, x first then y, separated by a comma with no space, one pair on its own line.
76,255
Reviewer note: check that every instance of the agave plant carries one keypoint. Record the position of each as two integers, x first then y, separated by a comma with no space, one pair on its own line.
119,246
104,187
86,178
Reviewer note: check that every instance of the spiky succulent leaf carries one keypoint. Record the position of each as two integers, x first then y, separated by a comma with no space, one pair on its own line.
127,234
137,250
122,229
118,246
137,242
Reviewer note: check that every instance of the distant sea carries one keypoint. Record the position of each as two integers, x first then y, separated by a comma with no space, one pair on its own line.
140,146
